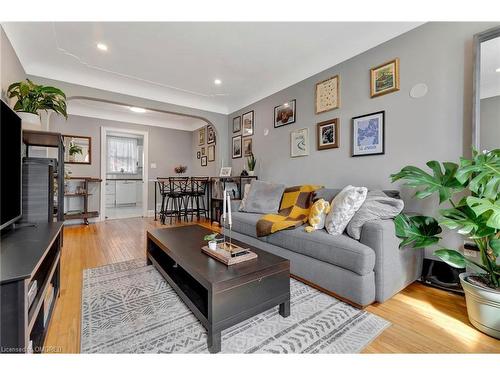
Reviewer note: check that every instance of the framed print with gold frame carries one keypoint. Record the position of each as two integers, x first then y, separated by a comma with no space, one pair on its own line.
327,94
384,78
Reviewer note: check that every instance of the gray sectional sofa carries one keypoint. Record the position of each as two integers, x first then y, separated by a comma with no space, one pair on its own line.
371,269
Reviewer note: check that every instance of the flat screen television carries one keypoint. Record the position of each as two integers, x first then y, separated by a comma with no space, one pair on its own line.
10,164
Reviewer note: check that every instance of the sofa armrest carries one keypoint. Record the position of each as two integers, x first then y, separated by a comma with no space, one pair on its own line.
394,268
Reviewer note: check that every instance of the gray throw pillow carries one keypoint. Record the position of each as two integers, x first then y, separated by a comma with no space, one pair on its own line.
377,205
264,197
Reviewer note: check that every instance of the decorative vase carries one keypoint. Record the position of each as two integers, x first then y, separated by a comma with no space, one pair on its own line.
483,306
251,173
30,121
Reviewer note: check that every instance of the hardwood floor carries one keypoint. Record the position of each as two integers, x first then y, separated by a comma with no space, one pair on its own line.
424,320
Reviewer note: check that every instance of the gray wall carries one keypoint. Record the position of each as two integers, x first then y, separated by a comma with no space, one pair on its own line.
490,123
167,147
436,126
11,69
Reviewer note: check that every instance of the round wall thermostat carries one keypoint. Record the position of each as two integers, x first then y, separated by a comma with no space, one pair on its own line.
419,90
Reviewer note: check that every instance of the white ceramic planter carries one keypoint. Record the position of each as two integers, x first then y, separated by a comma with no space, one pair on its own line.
30,121
251,173
483,307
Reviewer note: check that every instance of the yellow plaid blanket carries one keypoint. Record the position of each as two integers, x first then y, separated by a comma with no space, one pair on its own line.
294,210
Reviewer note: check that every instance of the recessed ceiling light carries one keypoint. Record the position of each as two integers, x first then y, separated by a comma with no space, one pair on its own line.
137,109
217,81
102,46
498,70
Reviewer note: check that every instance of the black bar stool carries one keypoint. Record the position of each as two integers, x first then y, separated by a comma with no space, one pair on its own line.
196,196
173,196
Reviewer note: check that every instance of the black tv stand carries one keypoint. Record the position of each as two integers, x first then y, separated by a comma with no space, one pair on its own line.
30,253
16,226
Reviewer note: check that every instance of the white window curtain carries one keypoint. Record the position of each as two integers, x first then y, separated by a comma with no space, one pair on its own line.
122,155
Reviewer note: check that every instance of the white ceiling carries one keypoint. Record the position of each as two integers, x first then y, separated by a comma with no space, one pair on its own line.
116,112
178,62
490,62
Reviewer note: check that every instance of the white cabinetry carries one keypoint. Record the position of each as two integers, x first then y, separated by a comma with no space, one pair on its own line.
126,192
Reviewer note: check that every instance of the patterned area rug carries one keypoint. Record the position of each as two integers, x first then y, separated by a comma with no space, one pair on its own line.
129,308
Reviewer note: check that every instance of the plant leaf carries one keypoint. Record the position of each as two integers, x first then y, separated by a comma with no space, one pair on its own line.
483,172
495,246
444,183
451,257
484,205
417,231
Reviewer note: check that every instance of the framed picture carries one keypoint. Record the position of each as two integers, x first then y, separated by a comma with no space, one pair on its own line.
236,124
247,123
384,78
203,151
299,143
211,153
247,146
225,172
201,136
210,134
327,94
328,134
284,114
237,147
203,161
368,135
198,155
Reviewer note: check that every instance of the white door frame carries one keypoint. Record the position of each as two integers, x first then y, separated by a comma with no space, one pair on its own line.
145,167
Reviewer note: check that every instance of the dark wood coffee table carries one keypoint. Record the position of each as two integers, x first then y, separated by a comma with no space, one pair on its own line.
220,296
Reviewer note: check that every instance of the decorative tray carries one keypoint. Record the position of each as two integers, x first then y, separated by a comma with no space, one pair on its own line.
229,254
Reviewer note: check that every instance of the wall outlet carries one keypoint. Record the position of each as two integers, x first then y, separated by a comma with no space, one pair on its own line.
471,253
153,165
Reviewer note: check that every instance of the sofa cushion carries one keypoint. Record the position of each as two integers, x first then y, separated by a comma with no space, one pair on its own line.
328,194
339,250
245,223
264,197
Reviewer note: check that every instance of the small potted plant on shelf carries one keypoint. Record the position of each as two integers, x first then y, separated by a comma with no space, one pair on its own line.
74,150
251,162
474,214
180,169
212,242
33,98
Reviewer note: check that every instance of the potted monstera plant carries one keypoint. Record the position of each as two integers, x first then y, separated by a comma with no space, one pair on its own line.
33,98
471,191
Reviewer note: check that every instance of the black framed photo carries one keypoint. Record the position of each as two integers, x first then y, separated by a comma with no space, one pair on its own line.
247,146
211,153
210,134
247,123
237,147
203,161
198,155
368,134
284,114
237,124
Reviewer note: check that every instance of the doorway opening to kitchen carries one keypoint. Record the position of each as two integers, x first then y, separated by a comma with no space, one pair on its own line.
123,173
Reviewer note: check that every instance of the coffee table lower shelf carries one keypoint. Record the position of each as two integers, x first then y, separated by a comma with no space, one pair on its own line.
221,305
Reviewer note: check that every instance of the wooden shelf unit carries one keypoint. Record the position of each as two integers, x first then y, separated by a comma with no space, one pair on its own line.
85,214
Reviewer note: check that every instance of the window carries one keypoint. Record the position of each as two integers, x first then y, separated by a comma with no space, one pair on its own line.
122,155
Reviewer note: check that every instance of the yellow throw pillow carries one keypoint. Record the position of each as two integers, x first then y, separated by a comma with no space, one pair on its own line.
317,215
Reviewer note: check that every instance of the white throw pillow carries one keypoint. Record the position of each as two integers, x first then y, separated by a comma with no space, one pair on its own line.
343,207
